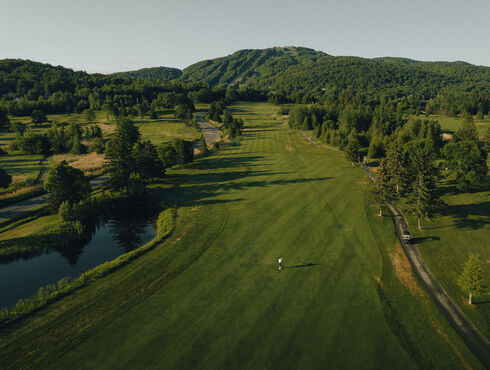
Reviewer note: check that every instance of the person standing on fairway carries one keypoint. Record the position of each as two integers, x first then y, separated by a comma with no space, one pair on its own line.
280,262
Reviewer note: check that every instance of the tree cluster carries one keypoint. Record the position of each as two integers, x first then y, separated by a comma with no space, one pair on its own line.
233,126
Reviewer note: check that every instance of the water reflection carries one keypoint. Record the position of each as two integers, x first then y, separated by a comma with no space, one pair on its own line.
107,237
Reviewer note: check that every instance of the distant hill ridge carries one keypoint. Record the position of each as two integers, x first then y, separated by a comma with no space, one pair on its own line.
154,73
299,73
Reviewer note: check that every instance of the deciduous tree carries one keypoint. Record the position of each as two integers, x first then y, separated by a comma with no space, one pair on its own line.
471,280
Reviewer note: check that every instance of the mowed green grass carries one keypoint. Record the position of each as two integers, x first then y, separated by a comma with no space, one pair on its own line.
211,295
22,168
165,129
446,242
451,124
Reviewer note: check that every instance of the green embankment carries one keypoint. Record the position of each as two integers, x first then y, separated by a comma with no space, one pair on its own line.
210,296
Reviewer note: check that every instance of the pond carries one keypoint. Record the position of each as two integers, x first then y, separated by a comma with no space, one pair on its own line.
111,236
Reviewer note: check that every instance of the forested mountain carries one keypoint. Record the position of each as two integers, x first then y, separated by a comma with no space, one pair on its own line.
289,74
26,86
304,75
153,73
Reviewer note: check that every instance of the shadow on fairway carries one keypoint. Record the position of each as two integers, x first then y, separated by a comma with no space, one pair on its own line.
194,188
299,266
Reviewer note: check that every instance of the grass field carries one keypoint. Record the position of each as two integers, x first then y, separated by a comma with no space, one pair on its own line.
447,241
22,168
165,129
451,124
26,168
211,296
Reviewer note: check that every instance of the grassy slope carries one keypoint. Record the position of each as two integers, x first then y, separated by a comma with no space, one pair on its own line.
211,295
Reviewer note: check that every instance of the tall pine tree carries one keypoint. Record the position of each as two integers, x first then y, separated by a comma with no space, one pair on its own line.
423,195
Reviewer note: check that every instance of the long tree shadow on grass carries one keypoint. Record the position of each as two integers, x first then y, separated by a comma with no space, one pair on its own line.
423,239
469,216
217,183
196,188
227,162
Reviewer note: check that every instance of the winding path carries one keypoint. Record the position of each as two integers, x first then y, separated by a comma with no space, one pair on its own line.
473,338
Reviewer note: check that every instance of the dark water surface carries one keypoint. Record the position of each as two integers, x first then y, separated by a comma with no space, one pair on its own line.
111,238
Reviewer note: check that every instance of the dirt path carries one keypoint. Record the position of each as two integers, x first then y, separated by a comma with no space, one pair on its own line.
473,338
312,141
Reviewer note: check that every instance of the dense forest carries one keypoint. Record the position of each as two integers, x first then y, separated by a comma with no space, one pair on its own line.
302,75
282,75
153,73
26,86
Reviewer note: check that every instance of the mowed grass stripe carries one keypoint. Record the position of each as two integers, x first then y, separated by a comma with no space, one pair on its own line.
230,307
231,273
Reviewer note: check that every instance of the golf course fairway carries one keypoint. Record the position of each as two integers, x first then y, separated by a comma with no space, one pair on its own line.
211,295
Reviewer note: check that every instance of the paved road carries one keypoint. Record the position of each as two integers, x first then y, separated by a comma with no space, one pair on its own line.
211,133
473,338
32,204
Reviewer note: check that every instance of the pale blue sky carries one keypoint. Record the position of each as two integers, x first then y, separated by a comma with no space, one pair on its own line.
117,35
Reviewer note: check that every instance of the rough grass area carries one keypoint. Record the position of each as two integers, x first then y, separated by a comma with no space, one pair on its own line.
88,163
211,295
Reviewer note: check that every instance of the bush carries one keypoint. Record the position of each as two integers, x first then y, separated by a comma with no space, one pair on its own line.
97,146
38,116
34,144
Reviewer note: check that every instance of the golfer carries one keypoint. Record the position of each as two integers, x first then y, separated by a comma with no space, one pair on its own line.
280,262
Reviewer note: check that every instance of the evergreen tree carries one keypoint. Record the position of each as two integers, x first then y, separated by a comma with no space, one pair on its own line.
89,115
65,183
395,164
4,119
119,153
468,161
352,149
147,163
97,146
471,280
202,144
382,191
38,116
467,131
18,127
5,179
57,139
77,147
423,196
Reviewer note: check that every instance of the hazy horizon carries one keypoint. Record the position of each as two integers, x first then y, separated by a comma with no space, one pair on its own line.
113,36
